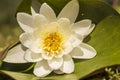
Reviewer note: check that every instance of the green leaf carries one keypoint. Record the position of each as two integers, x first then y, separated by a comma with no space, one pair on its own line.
19,76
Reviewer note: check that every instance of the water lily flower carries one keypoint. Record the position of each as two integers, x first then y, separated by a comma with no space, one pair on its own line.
52,42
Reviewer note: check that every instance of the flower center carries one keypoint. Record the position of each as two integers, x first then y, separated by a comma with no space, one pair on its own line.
52,43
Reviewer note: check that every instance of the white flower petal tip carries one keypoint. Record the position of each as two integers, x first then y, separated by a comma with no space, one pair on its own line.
16,55
83,27
42,69
68,64
55,63
90,29
48,12
84,51
66,11
25,21
33,11
89,51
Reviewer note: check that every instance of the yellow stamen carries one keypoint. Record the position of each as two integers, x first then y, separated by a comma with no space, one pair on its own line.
52,43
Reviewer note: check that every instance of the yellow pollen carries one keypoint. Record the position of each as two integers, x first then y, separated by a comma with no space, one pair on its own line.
52,43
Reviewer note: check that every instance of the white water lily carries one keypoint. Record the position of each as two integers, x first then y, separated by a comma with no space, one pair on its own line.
52,41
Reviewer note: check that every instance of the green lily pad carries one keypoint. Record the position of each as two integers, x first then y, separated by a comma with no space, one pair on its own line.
19,76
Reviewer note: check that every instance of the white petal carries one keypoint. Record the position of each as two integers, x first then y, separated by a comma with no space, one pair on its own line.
59,55
16,55
39,20
68,64
89,51
68,48
84,51
25,21
32,57
46,57
75,41
90,30
33,11
42,69
70,11
82,27
77,53
55,63
35,47
48,12
26,39
64,22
